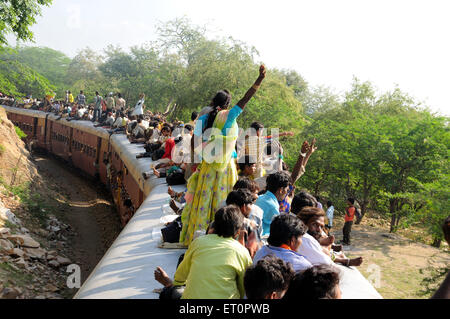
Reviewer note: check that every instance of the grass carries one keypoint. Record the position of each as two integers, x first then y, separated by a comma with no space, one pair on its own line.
2,149
19,132
33,202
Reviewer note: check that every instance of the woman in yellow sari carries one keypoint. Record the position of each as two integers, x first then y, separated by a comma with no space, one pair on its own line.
216,133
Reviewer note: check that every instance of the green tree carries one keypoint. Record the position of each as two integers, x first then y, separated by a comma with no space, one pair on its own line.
17,16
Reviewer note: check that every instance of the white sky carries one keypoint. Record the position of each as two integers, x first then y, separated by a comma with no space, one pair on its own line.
326,41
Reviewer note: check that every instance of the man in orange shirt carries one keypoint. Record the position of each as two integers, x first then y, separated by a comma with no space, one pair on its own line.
349,215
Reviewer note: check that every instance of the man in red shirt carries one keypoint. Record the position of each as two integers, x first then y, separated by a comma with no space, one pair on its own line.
349,215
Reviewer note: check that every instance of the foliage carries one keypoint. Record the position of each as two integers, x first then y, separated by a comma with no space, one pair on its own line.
2,149
17,16
19,79
381,148
19,132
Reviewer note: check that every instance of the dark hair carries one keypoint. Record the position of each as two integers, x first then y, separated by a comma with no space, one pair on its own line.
96,93
246,161
194,115
329,203
119,95
222,100
269,274
127,203
318,282
283,228
188,127
351,200
227,221
178,139
166,128
310,212
257,126
301,200
246,183
240,197
81,92
276,181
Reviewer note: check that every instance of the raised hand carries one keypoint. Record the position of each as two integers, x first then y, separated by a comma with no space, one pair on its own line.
313,146
262,71
305,147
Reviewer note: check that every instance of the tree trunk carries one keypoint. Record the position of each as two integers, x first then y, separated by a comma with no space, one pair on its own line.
392,210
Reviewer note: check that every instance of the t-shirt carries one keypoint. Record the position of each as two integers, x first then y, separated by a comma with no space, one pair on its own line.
110,103
269,204
213,268
170,143
330,212
81,112
70,98
349,211
98,102
81,99
311,249
138,109
256,215
299,262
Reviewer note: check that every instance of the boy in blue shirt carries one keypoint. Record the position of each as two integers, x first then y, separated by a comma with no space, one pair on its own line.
277,188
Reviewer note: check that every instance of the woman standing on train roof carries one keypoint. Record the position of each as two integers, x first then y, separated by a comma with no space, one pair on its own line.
217,133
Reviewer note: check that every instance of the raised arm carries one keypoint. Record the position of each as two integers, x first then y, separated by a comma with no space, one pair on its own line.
311,150
262,74
297,170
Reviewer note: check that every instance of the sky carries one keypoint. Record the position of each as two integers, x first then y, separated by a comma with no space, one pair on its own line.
328,42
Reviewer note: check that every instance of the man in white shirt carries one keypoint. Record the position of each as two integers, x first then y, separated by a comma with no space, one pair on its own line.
319,253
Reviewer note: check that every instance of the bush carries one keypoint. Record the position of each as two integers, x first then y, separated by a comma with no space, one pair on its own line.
19,132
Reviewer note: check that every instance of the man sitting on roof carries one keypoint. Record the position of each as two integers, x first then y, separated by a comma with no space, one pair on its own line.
286,232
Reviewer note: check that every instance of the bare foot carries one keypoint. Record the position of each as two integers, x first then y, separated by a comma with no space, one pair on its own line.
356,261
156,173
162,277
171,192
174,206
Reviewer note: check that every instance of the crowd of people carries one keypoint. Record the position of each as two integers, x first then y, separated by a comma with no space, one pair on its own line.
247,231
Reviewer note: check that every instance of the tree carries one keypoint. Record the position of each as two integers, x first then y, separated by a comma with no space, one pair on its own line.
17,16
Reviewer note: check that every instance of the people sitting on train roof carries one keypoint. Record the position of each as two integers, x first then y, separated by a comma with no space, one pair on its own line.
214,265
286,236
268,278
243,199
318,282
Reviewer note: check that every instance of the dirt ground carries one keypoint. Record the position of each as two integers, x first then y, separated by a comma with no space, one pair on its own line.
402,263
84,205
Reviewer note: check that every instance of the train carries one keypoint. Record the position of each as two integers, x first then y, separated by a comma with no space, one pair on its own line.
87,148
